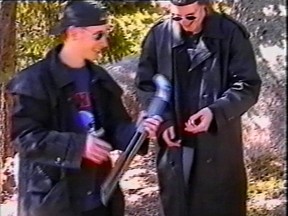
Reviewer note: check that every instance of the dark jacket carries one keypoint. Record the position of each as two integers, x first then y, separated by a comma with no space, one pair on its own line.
229,86
50,145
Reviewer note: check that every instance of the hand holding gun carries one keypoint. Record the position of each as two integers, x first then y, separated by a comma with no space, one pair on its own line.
96,150
155,111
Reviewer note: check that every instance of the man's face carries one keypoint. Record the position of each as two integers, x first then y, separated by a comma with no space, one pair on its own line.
90,41
190,17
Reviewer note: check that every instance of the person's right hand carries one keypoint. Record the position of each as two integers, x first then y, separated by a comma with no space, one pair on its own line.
169,136
96,150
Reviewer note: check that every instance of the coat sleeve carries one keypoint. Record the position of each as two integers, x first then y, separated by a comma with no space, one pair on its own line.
147,68
30,133
243,83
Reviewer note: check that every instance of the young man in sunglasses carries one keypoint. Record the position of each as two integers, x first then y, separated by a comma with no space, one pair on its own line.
56,102
210,61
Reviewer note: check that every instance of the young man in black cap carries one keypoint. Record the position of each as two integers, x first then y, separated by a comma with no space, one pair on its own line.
210,61
56,102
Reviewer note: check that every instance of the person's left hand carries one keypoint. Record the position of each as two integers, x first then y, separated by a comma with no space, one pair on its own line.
200,121
150,124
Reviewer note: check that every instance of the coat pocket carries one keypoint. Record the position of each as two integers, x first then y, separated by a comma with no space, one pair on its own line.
48,198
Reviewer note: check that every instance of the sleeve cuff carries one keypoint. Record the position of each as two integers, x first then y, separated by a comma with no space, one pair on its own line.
73,157
69,156
163,127
219,119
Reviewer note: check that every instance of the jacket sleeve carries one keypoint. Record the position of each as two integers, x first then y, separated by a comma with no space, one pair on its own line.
30,133
147,68
243,83
119,126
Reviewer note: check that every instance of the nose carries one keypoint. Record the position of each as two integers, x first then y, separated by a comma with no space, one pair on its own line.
104,42
185,22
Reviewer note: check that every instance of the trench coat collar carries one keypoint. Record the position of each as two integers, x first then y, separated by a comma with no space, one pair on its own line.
211,29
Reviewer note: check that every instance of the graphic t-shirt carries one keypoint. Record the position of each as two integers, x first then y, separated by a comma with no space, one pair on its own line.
81,97
86,120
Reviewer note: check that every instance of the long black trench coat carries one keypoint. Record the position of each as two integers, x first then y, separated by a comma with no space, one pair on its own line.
229,86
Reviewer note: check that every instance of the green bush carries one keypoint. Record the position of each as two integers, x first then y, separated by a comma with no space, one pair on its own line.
34,20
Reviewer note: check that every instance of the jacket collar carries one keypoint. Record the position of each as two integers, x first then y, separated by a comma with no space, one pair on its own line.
60,72
211,29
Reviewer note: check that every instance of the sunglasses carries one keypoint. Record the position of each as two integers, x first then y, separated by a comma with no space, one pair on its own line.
179,18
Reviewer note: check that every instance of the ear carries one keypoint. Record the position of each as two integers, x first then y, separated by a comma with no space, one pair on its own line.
73,33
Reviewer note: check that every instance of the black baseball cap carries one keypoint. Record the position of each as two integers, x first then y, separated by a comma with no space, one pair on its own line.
184,2
81,14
